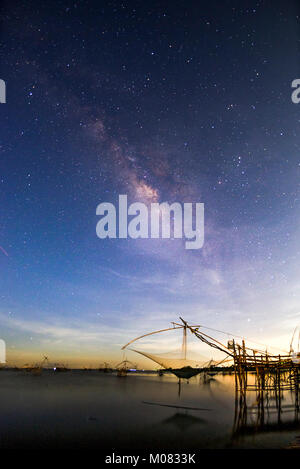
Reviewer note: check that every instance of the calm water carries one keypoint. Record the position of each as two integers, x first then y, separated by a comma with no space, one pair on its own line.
83,409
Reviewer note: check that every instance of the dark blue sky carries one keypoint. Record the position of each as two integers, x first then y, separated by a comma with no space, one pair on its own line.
177,101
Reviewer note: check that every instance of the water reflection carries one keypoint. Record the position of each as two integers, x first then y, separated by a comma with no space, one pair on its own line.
267,407
183,421
82,409
269,411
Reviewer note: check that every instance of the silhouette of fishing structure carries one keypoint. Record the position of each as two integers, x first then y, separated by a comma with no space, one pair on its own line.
271,372
105,368
275,387
266,385
37,369
60,368
181,367
124,367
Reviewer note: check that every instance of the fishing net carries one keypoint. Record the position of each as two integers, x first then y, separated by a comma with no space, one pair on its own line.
166,361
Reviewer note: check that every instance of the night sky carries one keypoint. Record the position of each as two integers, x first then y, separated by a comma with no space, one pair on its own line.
162,101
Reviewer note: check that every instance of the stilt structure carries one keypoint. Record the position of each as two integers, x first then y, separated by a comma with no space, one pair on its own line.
274,373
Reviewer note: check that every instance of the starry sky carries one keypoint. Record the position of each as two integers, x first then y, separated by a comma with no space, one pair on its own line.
162,101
